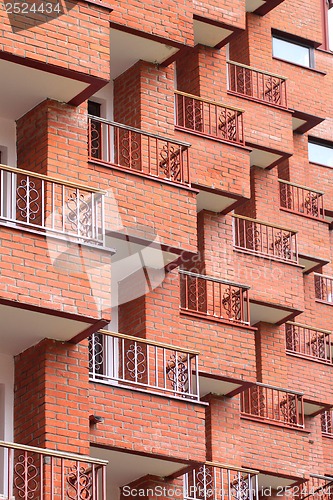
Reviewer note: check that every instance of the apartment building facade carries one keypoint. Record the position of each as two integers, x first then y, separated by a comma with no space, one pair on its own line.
166,223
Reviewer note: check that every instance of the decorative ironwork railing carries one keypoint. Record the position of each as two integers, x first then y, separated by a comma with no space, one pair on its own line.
212,481
301,200
309,342
318,487
52,206
214,298
209,118
256,84
34,473
136,363
272,404
131,149
323,288
327,423
266,240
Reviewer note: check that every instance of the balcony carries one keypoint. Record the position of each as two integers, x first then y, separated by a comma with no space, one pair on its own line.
217,481
209,118
317,487
28,472
214,299
327,423
265,240
257,85
143,365
52,207
130,149
301,200
323,288
273,405
310,343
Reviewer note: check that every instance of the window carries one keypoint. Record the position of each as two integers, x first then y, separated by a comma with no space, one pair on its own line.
321,152
294,52
327,10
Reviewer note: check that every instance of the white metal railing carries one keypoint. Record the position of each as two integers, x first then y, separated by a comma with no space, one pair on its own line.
30,473
213,481
51,206
131,362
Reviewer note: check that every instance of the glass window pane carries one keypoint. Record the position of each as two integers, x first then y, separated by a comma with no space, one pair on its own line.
291,52
318,153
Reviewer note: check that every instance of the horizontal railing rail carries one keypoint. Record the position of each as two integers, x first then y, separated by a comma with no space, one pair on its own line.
257,84
267,240
272,404
51,206
134,150
327,423
214,298
131,362
212,481
31,472
209,118
309,342
301,200
323,288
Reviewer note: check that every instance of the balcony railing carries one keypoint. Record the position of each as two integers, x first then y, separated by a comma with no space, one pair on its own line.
51,206
307,342
133,150
259,238
36,473
317,488
213,481
141,364
301,200
323,288
214,298
272,404
256,84
327,423
209,118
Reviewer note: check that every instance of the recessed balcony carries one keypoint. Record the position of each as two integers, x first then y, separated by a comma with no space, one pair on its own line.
143,365
261,7
257,85
214,299
311,343
232,482
265,240
327,423
53,207
323,288
273,405
302,200
30,472
210,119
141,153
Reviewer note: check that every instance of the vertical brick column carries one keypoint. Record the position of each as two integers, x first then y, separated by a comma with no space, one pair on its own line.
51,396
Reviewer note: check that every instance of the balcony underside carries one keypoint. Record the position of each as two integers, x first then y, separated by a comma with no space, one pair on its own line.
275,481
28,83
310,263
263,157
129,46
217,201
125,467
23,326
271,313
222,386
261,7
303,122
313,408
211,32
